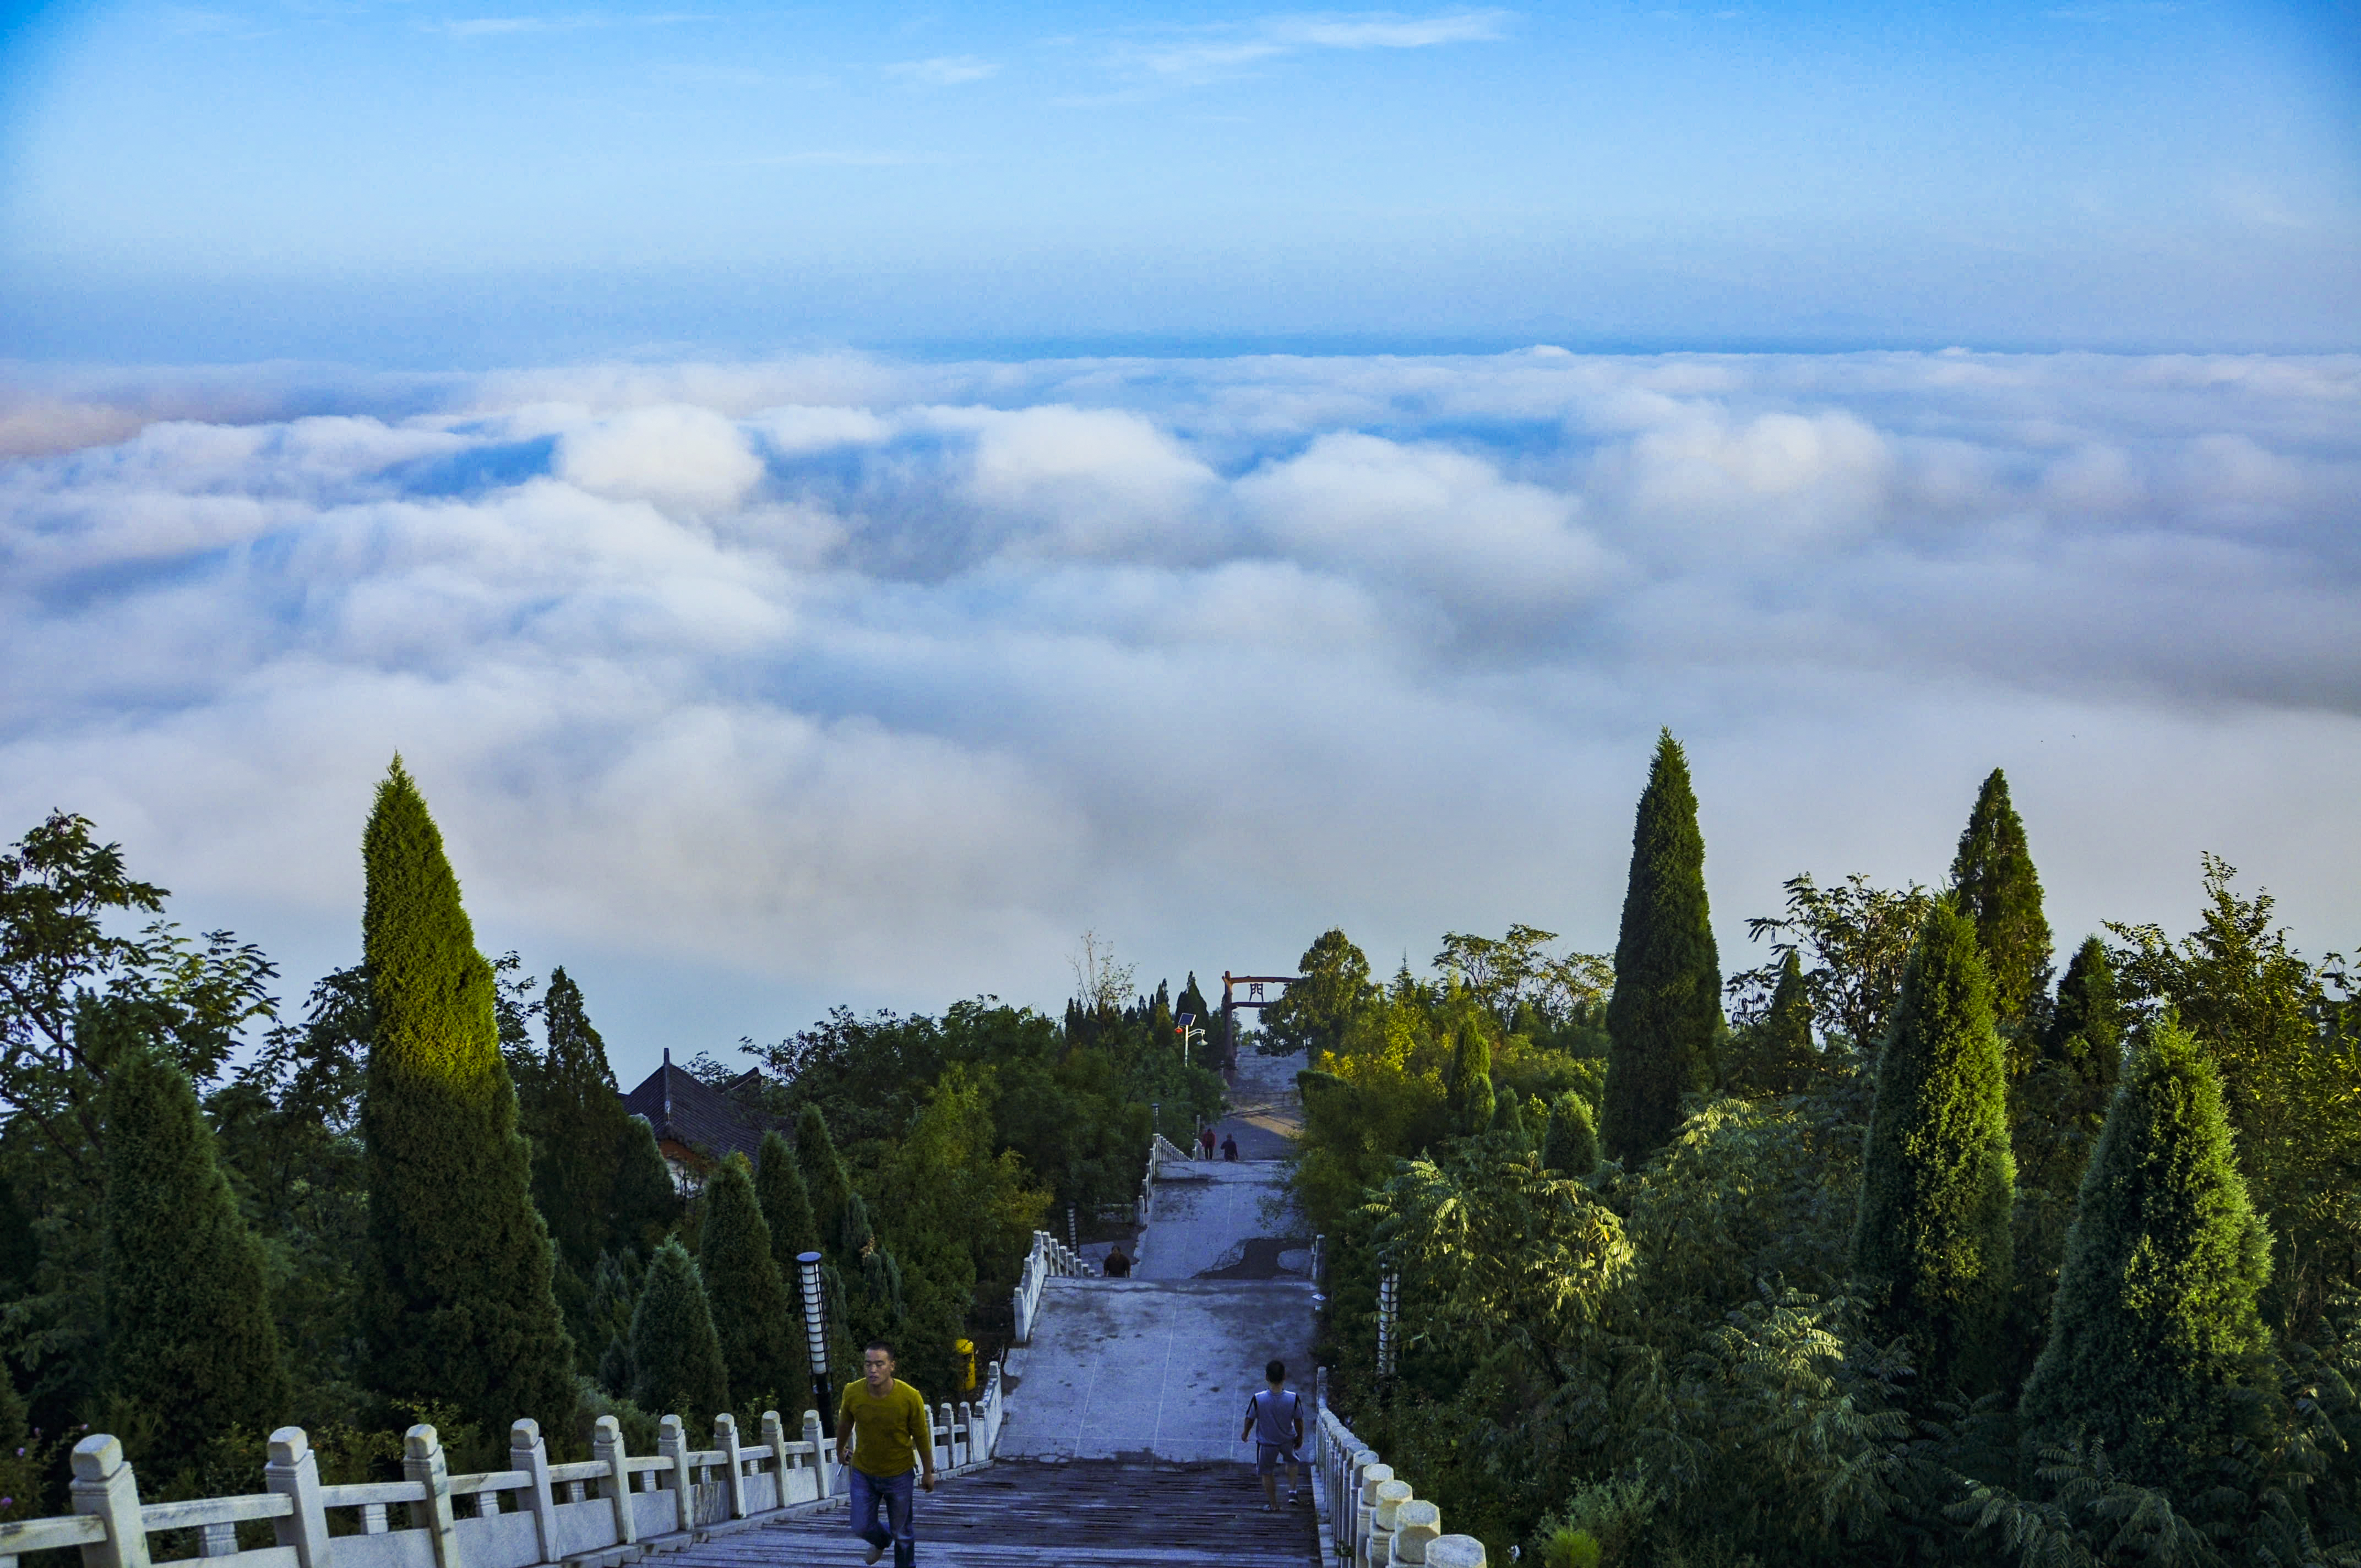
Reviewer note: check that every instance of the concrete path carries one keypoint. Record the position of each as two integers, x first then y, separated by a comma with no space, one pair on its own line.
1142,1370
1158,1368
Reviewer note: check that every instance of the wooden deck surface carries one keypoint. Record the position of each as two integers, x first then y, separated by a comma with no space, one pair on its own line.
1086,1514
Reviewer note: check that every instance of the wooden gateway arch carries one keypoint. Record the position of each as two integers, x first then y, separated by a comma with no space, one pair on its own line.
1232,1001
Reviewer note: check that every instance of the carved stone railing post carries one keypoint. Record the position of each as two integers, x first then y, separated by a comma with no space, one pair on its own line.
1454,1552
967,1433
1417,1524
104,1485
724,1438
421,1462
607,1448
528,1454
293,1471
1365,1508
673,1443
774,1438
1392,1494
816,1436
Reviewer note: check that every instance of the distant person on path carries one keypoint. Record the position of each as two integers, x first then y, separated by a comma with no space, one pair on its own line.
1275,1422
1117,1266
1205,1143
880,1420
1229,1146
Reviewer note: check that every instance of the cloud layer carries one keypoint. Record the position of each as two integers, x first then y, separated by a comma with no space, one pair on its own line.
849,678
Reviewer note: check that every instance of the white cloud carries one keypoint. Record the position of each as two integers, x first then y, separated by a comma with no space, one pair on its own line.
944,70
676,456
859,679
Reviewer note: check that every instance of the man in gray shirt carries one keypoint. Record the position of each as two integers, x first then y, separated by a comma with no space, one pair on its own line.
1275,1422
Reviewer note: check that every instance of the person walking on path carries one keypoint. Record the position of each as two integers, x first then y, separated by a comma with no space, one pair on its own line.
1229,1146
1275,1422
1205,1142
879,1423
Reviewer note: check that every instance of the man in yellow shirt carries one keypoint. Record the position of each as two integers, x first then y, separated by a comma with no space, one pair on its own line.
880,1425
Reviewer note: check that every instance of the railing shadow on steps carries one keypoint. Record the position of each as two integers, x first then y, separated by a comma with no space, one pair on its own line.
601,1512
1368,1518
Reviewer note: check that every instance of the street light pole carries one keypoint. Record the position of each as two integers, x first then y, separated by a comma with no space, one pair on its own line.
815,1330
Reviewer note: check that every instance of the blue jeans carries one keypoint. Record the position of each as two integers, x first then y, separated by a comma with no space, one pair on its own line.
894,1491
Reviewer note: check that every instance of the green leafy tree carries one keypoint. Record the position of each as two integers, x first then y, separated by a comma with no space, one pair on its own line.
1312,1014
1509,1116
1571,1145
1931,1242
1993,876
753,1313
1663,1021
1853,941
459,1307
676,1366
190,1338
2155,1324
1520,982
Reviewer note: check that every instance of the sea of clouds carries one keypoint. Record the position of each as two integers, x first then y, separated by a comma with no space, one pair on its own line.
768,685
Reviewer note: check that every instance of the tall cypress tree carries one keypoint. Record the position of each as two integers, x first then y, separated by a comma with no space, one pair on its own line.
2086,1028
576,1121
676,1366
614,1295
1664,1016
753,1310
786,1207
1931,1240
189,1333
2155,1322
1775,1055
826,1180
1992,875
1571,1145
457,1294
1473,1102
645,1201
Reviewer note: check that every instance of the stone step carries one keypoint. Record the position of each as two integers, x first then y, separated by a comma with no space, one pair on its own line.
1084,1514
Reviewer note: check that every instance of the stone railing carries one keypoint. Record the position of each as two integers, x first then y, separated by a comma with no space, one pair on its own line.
601,1512
1049,1257
1367,1518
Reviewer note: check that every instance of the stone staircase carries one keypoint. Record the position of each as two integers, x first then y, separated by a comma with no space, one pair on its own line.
1081,1514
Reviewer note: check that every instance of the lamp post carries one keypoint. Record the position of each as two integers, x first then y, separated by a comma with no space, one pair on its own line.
816,1330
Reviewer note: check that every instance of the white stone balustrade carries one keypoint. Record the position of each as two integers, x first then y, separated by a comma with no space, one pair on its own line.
1370,1517
600,1512
1050,1257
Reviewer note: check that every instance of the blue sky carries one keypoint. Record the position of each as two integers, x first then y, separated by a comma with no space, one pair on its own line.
833,503
429,182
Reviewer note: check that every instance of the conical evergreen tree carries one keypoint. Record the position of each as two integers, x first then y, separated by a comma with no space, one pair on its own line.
1931,1240
613,1296
458,1298
2154,1322
1509,1115
1469,1081
676,1366
826,1181
1993,876
753,1312
1571,1146
189,1337
2086,1029
1664,1016
786,1207
575,1120
1775,1056
1193,1001
645,1202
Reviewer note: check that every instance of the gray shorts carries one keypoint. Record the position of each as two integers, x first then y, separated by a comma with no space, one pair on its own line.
1269,1456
